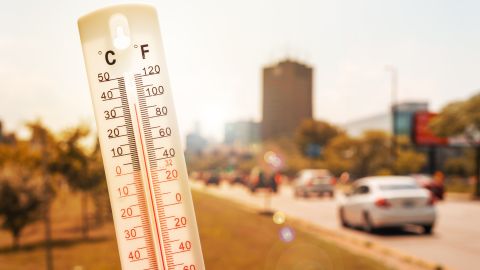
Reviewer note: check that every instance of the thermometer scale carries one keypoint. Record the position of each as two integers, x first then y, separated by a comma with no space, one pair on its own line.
145,168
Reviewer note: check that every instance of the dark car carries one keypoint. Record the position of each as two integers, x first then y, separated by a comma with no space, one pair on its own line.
214,179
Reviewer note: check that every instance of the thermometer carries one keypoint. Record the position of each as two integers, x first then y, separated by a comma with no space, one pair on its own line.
145,168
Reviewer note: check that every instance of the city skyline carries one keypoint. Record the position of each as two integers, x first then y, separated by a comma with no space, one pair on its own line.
216,51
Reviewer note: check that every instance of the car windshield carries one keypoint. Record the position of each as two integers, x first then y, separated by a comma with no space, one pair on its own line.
398,186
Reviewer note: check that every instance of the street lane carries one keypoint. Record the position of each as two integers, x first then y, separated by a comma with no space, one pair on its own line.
455,242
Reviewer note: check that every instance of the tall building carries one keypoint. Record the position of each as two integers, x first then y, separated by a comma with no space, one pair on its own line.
242,133
287,98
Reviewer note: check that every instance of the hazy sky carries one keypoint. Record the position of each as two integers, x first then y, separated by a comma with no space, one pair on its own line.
215,51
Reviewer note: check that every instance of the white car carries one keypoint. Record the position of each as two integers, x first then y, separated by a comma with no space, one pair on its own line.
387,201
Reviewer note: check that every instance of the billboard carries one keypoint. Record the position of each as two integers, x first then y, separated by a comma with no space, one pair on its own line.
421,133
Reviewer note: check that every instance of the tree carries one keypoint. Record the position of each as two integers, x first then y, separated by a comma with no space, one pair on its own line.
80,170
408,160
463,166
370,155
46,152
20,191
462,118
46,149
315,134
373,156
96,174
340,154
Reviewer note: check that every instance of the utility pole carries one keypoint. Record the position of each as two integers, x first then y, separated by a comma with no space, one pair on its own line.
393,106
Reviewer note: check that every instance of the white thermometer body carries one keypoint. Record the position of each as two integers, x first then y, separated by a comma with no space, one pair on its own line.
146,174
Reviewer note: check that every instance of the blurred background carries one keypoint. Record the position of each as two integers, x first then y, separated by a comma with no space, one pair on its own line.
317,134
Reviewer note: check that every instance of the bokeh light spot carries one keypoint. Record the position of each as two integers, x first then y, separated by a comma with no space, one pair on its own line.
279,218
287,234
273,159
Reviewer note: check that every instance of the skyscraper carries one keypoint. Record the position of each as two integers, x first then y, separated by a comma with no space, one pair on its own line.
287,98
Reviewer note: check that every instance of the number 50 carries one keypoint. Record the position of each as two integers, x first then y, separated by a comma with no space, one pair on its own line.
103,77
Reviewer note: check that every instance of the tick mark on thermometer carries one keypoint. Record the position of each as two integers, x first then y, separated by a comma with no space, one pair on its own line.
187,250
164,181
173,241
176,228
127,217
171,204
122,174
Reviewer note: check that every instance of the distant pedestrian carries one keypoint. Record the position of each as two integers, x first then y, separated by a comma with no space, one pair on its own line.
438,185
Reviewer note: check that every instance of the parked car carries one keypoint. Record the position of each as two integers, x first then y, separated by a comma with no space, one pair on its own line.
314,182
259,180
434,184
214,179
388,201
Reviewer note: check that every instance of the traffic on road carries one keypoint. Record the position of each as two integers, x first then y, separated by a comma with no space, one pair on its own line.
395,211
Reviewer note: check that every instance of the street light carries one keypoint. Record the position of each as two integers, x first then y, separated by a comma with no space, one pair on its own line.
393,104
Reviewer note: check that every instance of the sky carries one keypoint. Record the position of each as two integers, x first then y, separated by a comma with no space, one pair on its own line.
216,50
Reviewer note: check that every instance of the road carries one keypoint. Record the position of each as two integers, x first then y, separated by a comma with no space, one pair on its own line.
455,242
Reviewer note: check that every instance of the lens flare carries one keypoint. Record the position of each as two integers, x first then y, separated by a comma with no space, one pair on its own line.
279,218
273,159
287,234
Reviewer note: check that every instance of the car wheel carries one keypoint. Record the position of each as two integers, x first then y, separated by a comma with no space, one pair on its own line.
367,223
343,221
427,229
